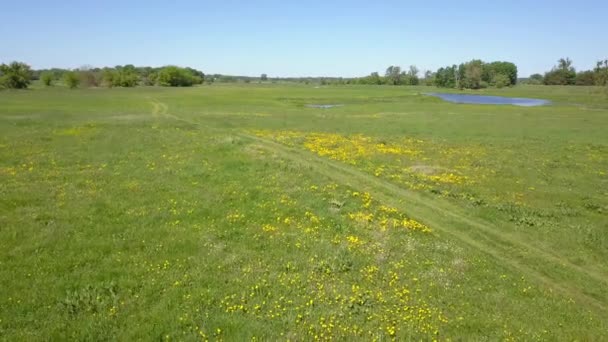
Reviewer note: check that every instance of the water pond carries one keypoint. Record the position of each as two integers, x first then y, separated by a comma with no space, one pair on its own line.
324,106
486,99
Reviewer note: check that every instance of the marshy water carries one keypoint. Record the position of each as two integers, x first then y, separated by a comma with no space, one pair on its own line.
486,99
324,106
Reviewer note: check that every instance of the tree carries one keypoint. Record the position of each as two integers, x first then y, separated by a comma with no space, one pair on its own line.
375,78
198,77
561,74
471,74
585,78
150,79
47,78
412,76
125,76
264,77
535,79
429,78
501,80
446,77
15,75
393,75
72,79
564,64
490,70
601,73
173,76
108,77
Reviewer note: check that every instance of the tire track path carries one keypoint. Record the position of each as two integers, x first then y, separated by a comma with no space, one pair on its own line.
571,280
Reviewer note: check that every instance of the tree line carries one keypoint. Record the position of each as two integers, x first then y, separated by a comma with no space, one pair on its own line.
564,73
393,75
475,74
18,75
472,75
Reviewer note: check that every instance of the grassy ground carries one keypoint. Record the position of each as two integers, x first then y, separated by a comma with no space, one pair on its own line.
236,212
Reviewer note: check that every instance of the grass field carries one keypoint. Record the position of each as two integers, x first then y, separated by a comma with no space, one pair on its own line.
238,213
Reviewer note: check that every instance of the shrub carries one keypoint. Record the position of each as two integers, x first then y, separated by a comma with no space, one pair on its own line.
16,75
501,80
72,79
47,79
172,76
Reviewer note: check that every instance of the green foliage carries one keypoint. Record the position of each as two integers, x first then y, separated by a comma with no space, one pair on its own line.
501,81
173,76
490,70
585,78
429,78
470,74
47,78
15,75
562,74
476,74
393,75
601,73
446,77
535,79
373,79
199,76
89,77
411,76
71,79
108,77
120,76
264,77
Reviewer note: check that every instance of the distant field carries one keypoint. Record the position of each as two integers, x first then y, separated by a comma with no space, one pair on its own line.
239,213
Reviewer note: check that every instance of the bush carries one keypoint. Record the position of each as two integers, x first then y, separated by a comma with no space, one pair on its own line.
89,78
150,79
72,79
501,81
47,79
172,76
16,75
585,78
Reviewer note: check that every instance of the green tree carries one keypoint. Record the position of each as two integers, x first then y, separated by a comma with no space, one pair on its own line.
264,77
585,78
126,76
446,77
490,70
601,73
47,78
471,74
173,76
108,77
412,75
393,75
375,78
15,75
535,79
72,79
501,80
561,74
429,78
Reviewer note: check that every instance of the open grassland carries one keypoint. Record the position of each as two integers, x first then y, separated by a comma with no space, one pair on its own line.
238,213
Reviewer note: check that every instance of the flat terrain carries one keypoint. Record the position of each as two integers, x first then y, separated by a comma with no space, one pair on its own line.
236,212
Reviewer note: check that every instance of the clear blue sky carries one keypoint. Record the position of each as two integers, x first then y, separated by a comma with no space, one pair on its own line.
302,38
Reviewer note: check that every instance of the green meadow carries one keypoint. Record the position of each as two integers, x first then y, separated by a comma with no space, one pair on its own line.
238,212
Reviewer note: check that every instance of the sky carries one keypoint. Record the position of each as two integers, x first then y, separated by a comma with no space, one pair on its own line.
302,38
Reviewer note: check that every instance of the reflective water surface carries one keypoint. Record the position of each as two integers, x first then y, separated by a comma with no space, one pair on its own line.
486,99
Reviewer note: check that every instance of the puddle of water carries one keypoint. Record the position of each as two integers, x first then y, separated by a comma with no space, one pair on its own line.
324,106
486,99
